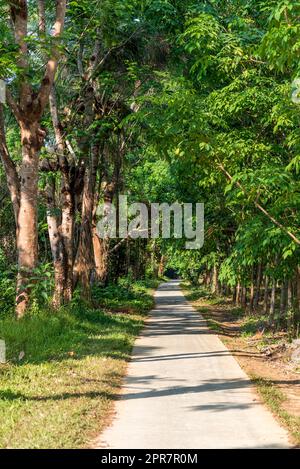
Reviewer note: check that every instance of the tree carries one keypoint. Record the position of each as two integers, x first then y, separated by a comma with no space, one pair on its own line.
28,108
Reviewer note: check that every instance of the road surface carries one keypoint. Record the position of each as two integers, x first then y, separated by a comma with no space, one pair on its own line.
185,390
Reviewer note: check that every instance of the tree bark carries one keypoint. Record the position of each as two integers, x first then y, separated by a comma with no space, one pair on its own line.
55,243
258,285
66,228
238,294
244,297
234,292
283,299
266,295
272,303
28,112
215,284
85,260
10,170
27,242
162,263
298,288
251,300
289,305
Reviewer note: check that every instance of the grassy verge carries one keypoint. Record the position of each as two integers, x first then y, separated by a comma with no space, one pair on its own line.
275,399
64,370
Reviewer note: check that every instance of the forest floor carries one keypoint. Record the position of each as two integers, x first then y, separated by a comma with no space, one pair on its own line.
265,357
64,369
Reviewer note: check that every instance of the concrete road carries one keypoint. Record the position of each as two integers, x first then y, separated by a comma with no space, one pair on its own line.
185,390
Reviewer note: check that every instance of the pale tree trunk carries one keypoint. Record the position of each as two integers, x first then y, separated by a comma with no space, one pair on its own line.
27,242
266,295
289,305
215,285
238,294
258,285
55,243
161,267
251,300
283,298
272,303
101,247
10,170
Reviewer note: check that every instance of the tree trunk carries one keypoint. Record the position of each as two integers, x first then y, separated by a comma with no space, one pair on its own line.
55,243
298,288
215,285
101,252
63,264
27,242
289,306
238,294
161,267
28,111
283,298
67,234
234,292
272,303
207,278
10,171
258,284
244,298
85,259
251,301
266,295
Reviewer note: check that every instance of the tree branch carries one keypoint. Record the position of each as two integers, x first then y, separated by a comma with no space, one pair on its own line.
259,207
9,168
19,17
13,105
42,16
51,66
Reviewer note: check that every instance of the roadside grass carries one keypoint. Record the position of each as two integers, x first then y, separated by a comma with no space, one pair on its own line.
64,369
195,293
213,325
275,399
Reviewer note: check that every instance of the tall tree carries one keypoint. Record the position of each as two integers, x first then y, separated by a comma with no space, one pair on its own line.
28,107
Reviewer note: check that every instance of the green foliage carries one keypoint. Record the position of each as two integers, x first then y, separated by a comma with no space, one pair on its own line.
126,295
7,287
64,370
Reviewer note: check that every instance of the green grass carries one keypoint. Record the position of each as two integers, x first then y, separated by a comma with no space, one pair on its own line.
60,393
275,399
194,293
252,324
213,325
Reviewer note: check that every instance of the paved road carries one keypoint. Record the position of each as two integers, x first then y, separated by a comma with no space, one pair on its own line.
185,390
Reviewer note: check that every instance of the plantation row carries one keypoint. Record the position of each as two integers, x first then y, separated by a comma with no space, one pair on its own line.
163,101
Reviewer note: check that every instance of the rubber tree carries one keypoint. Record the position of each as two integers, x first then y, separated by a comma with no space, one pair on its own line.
28,106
